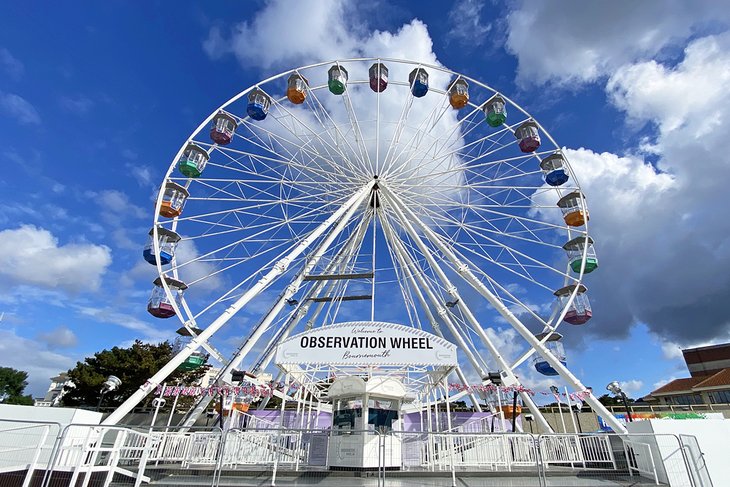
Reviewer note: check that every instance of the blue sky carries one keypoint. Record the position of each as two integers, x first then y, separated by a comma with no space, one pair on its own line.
95,102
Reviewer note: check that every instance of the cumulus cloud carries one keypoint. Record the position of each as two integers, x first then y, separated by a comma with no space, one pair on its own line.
631,386
60,337
575,41
32,256
325,35
19,108
661,229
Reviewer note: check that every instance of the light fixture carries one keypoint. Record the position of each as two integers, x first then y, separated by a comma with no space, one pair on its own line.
110,384
615,388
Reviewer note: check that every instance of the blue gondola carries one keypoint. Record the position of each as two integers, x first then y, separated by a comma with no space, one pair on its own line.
167,242
555,346
553,167
418,80
258,104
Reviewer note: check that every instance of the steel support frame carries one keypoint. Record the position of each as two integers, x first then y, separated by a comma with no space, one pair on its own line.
406,216
279,268
464,271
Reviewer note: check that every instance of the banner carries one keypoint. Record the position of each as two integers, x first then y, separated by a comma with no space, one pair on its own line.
253,391
367,343
624,418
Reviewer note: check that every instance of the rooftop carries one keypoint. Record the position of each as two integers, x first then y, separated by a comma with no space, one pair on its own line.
720,379
678,385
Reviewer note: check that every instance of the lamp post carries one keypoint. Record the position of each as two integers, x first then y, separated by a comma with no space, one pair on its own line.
111,383
615,389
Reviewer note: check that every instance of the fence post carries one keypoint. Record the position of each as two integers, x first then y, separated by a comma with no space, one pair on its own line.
610,452
653,467
148,445
381,458
628,458
539,464
221,457
55,451
82,453
34,460
690,471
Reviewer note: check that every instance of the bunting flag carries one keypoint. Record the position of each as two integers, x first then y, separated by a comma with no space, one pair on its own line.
254,392
490,388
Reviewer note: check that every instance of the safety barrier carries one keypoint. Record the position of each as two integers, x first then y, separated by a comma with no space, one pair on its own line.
47,455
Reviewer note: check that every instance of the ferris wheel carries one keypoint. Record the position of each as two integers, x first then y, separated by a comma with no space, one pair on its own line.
377,190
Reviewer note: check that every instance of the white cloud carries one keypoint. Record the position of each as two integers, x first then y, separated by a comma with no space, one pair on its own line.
671,351
661,229
11,65
19,108
60,337
571,41
690,98
631,386
31,255
32,357
325,35
143,330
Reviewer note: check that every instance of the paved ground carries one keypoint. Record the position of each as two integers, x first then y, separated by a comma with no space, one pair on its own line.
398,479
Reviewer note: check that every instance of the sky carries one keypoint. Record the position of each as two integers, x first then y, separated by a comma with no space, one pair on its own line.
95,102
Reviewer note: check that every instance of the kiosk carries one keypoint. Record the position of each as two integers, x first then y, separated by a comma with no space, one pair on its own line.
361,408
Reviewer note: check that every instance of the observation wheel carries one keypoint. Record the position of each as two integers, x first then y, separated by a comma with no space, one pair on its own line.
372,190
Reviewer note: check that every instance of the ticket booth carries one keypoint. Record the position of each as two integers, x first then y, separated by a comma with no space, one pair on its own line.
362,408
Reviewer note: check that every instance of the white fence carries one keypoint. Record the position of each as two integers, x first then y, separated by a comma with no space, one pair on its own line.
82,455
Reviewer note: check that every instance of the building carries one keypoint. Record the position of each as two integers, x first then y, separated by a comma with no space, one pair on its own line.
709,381
55,391
706,361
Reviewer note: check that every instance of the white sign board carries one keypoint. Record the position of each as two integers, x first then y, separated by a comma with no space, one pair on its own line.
367,343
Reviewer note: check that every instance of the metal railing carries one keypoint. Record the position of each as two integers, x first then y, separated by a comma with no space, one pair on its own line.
650,408
640,459
83,455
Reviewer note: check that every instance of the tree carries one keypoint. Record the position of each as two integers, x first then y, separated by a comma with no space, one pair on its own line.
607,400
133,365
12,385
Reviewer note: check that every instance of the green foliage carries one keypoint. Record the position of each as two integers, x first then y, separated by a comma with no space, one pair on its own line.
608,400
133,365
12,384
20,400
